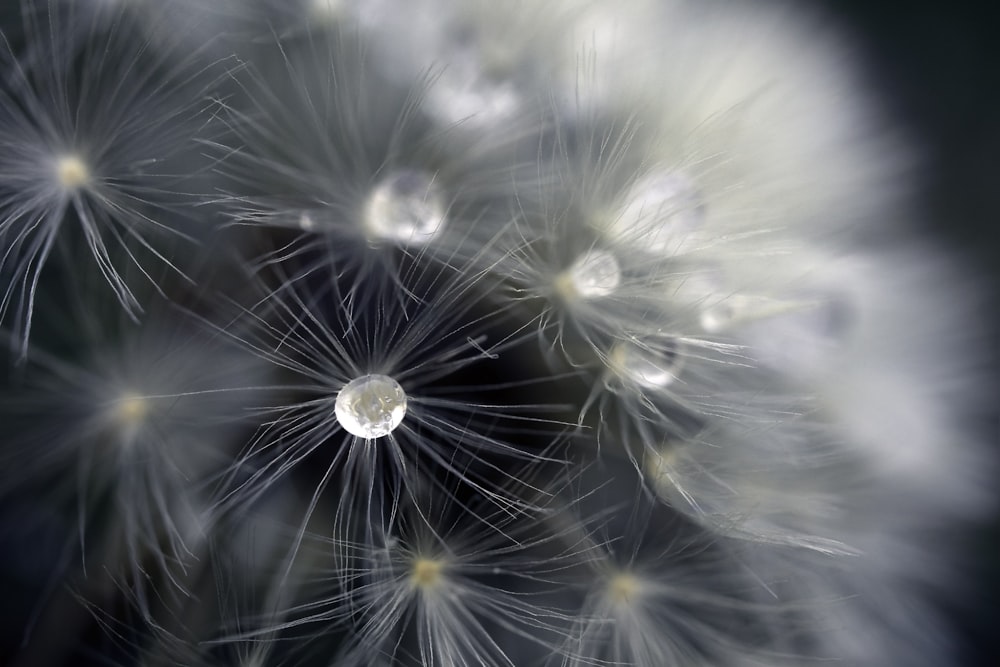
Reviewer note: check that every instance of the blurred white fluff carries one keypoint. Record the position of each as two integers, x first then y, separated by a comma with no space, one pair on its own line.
139,418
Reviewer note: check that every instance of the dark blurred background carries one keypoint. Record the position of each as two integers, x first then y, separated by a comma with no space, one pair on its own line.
937,66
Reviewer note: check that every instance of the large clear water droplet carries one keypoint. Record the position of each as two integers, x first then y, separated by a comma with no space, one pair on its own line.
371,406
594,274
405,207
650,367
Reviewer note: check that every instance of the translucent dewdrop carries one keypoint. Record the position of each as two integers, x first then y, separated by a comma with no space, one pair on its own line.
646,367
406,207
71,172
371,406
662,213
594,274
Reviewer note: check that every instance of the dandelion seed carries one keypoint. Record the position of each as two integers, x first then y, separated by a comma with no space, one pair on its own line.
779,488
440,580
371,406
135,422
413,336
333,148
657,592
593,287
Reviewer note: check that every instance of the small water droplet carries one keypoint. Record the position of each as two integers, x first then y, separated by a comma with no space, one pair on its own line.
650,367
371,406
405,207
594,274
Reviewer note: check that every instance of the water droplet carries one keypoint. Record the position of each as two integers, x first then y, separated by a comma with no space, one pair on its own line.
371,406
650,367
594,274
405,207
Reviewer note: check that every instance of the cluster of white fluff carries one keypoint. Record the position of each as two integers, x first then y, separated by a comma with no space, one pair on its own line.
469,332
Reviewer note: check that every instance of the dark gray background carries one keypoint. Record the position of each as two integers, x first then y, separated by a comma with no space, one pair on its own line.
938,66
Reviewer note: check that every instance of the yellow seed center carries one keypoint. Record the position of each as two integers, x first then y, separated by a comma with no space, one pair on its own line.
564,286
131,409
426,572
623,589
72,172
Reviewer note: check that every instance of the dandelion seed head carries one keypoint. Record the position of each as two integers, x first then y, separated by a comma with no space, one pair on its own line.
645,366
662,213
405,207
72,172
371,406
594,274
